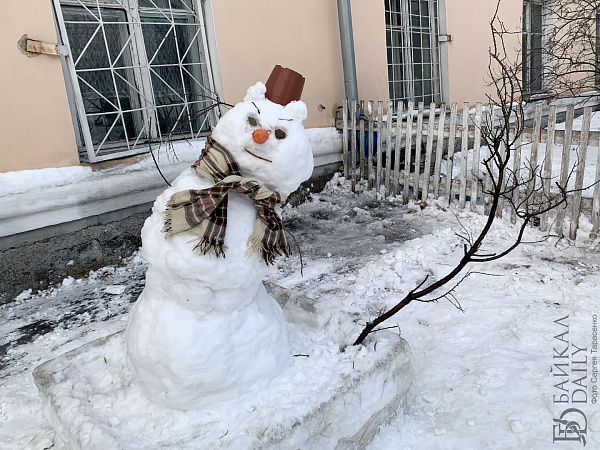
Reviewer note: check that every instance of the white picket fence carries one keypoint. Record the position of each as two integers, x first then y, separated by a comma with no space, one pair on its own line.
438,138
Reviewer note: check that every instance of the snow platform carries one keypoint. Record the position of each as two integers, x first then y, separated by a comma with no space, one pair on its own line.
327,398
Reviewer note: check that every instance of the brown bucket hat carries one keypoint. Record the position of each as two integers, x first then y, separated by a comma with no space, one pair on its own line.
284,85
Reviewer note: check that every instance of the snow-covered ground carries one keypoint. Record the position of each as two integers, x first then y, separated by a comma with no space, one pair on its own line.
483,379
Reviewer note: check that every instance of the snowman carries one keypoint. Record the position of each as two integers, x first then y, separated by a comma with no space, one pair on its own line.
204,331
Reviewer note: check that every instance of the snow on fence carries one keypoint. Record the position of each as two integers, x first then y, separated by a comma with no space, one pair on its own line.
407,153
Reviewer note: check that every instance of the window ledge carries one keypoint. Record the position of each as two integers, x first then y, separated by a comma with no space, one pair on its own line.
80,192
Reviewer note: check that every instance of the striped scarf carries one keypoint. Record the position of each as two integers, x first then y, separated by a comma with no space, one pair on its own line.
203,213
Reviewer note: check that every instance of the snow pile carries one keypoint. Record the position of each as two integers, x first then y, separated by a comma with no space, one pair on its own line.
324,141
21,181
527,163
578,121
322,398
24,181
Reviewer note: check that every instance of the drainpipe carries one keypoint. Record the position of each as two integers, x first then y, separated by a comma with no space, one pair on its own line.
347,41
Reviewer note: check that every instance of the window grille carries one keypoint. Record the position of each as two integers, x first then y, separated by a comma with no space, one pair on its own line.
139,73
412,50
536,20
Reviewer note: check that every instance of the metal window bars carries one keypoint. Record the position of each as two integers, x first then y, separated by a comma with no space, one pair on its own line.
412,50
139,73
536,32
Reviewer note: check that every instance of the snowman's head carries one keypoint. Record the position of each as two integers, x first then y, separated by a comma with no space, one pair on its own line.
267,140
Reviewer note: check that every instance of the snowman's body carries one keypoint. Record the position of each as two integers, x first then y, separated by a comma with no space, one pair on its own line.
204,330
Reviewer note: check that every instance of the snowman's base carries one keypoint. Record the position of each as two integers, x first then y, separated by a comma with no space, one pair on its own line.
327,399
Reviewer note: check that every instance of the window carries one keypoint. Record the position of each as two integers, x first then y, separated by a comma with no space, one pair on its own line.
536,20
138,73
412,50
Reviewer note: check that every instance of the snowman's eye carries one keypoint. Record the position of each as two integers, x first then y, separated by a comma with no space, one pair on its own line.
279,134
252,121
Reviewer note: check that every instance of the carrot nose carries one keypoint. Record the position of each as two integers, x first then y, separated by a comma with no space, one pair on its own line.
260,136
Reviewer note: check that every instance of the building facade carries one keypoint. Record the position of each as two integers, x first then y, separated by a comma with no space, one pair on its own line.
130,72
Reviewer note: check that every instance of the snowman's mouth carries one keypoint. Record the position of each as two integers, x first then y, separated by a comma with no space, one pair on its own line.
259,157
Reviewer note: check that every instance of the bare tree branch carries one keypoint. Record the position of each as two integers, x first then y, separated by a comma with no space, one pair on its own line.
501,130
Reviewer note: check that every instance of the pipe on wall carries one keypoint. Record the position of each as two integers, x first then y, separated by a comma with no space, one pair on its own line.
347,42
